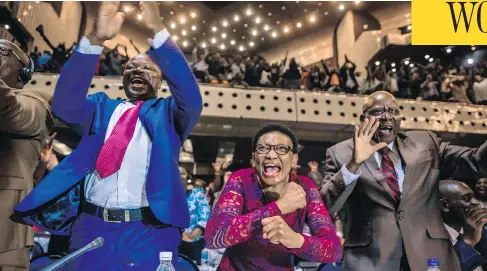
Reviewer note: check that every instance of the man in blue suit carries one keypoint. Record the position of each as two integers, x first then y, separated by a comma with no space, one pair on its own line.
465,222
122,182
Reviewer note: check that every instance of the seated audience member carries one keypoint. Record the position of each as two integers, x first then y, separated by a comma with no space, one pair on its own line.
480,192
199,212
464,220
261,212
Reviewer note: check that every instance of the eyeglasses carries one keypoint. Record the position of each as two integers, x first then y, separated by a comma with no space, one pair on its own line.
379,112
279,149
7,52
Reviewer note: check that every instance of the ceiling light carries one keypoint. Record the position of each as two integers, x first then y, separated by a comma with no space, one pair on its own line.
365,26
213,40
181,5
224,35
312,19
173,25
171,12
126,9
174,38
203,44
286,30
25,13
236,18
326,13
254,32
410,27
246,25
214,29
283,7
192,14
185,43
232,42
183,32
248,12
251,44
378,39
470,61
269,14
266,27
139,17
222,46
29,7
234,30
241,48
193,27
182,20
278,22
357,2
305,10
204,21
225,23
7,26
473,48
299,25
341,7
243,37
274,34
262,39
448,50
257,20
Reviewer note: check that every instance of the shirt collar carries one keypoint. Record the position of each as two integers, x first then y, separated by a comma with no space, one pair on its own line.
453,233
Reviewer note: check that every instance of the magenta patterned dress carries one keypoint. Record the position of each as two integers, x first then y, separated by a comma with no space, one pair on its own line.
235,224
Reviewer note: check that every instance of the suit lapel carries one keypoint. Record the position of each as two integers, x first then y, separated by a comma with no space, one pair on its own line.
371,165
408,156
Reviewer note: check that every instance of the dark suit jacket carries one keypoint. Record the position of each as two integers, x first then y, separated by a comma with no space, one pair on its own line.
472,257
53,204
377,231
25,122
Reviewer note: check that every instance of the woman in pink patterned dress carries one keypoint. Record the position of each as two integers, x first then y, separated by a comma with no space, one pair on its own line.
261,212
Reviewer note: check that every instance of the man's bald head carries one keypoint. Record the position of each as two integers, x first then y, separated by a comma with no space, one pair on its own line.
10,65
455,199
379,96
451,189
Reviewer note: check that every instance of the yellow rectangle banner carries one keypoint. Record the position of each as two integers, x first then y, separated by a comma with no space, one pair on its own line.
443,22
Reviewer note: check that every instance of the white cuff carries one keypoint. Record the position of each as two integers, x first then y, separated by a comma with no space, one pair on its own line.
86,48
159,38
349,177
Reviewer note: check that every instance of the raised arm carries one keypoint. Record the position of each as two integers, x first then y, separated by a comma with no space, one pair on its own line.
227,225
187,104
69,102
323,245
461,163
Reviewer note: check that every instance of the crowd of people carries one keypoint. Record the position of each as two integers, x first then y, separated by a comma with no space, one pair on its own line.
435,81
393,191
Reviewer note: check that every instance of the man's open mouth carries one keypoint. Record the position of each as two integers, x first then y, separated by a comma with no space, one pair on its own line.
272,170
385,129
138,81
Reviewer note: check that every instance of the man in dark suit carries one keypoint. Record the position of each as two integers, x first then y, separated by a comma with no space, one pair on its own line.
126,162
25,122
464,219
389,181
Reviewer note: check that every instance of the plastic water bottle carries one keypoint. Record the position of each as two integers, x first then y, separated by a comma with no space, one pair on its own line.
433,265
166,261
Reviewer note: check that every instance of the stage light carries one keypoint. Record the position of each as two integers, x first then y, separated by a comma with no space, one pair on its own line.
236,18
203,44
299,25
474,48
248,12
251,44
286,30
254,32
448,50
312,19
431,60
222,46
193,15
426,56
406,62
470,61
377,63
174,38
139,17
257,20
193,27
232,42
224,36
225,23
393,64
183,32
274,34
7,26
266,28
241,48
173,25
214,29
213,40
182,20
126,9
341,7
185,43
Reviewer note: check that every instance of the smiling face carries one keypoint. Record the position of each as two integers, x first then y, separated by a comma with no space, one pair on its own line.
142,78
457,199
383,106
481,189
273,158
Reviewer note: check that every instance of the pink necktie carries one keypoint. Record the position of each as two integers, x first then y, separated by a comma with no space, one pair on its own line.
387,168
111,154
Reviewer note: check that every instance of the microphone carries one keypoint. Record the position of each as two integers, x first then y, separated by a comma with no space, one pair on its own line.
98,242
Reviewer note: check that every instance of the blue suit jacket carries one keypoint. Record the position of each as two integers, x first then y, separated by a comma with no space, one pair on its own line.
53,204
472,257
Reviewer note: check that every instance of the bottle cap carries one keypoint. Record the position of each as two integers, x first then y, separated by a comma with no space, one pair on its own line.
165,255
433,262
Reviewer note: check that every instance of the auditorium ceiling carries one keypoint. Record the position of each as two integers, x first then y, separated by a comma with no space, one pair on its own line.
247,26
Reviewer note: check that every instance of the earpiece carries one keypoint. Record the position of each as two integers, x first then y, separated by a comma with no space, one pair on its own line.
26,73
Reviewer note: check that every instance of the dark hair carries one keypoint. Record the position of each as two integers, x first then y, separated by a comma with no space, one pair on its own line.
274,127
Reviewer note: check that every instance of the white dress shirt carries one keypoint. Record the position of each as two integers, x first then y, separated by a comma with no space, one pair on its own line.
125,189
349,177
